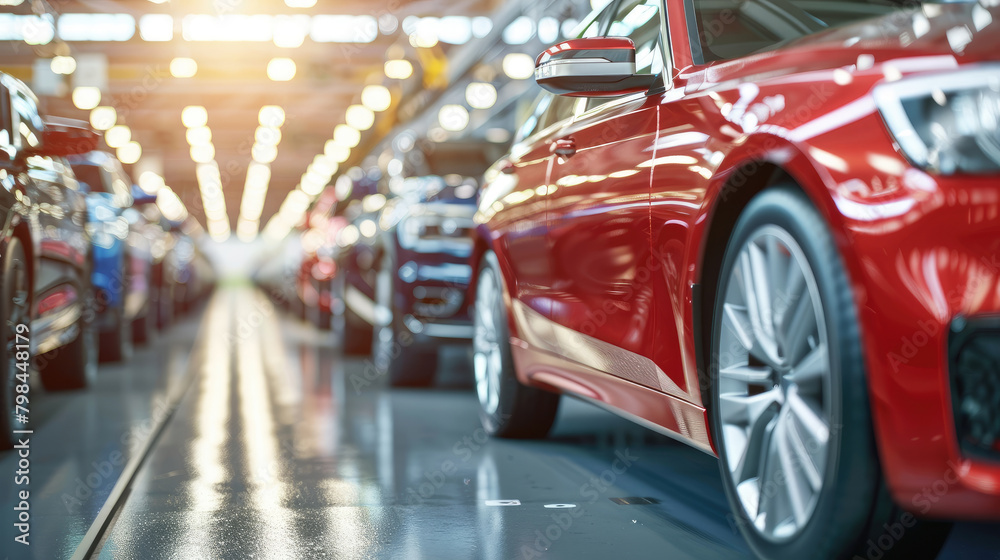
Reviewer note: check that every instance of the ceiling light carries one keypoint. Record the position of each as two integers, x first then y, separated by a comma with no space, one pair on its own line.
336,152
267,135
117,136
271,115
453,117
346,136
183,67
103,117
63,65
86,97
290,31
481,95
398,69
281,69
156,27
376,97
151,182
263,153
199,135
203,153
194,115
360,117
130,153
518,66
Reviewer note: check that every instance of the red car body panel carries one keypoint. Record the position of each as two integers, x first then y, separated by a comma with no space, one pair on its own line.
600,251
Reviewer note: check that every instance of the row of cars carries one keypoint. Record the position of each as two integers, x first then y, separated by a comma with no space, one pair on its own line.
769,232
88,264
387,270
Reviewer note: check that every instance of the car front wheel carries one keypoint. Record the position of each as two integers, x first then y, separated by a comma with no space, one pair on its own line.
506,407
789,407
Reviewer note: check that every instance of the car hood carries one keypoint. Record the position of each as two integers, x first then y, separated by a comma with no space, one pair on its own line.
928,38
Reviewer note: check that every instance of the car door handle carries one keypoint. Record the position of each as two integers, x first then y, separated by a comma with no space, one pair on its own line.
564,147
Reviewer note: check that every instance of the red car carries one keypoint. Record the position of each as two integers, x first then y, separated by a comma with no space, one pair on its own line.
771,230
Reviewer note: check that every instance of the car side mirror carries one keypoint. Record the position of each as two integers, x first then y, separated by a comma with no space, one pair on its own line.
66,137
591,67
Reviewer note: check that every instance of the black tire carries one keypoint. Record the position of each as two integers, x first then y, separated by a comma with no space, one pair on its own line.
355,333
851,505
116,343
403,362
73,366
14,303
144,326
521,411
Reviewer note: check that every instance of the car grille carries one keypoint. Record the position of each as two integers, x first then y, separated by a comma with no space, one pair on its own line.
974,364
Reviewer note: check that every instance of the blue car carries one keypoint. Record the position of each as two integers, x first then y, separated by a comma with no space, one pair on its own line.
109,194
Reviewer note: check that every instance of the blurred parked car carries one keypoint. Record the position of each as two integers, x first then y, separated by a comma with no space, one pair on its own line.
692,234
422,277
409,274
122,265
45,256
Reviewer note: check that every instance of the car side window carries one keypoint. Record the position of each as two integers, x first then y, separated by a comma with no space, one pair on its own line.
548,108
638,20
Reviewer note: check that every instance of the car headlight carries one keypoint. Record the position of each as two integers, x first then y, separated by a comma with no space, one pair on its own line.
947,123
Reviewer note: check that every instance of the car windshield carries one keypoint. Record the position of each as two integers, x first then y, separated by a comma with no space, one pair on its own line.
730,29
90,174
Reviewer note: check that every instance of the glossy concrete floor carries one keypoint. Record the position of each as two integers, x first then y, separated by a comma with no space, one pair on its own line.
280,448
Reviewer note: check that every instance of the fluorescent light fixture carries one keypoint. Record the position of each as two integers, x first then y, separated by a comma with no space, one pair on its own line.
156,27
263,153
343,29
518,66
96,27
453,118
281,69
346,136
117,136
199,135
336,152
130,152
398,69
86,97
271,115
360,117
64,65
481,95
194,115
103,117
377,98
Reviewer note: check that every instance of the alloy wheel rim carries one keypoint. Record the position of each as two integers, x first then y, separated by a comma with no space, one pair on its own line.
774,396
486,344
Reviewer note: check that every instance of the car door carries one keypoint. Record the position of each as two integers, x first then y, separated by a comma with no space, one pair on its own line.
516,196
599,220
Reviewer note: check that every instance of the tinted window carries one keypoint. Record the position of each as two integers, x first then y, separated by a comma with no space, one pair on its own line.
639,20
734,28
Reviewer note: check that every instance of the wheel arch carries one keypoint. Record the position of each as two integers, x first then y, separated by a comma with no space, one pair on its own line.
752,169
